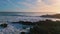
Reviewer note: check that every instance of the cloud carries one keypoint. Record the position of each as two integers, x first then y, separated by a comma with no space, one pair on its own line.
26,4
40,6
51,1
46,6
12,3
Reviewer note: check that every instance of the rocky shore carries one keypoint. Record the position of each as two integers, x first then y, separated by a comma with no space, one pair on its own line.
40,27
46,27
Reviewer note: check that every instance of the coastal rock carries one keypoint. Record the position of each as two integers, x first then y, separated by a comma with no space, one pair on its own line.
3,25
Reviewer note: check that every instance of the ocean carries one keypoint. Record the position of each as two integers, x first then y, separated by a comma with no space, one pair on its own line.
23,16
20,16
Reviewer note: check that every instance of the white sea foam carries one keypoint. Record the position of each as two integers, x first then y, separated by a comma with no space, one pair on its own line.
12,30
20,18
18,28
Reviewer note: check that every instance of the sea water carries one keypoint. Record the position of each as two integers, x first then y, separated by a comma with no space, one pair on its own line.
8,17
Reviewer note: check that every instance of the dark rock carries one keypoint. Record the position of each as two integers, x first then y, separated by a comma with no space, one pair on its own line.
3,25
46,27
24,22
22,32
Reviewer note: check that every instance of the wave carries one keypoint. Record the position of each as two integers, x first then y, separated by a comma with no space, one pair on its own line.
22,13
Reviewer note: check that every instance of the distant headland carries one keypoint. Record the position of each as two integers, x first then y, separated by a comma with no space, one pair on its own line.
51,16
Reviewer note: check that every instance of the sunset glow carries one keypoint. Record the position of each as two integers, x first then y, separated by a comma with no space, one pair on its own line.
30,5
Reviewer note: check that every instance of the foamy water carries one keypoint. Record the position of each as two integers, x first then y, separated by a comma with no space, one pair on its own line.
15,17
20,18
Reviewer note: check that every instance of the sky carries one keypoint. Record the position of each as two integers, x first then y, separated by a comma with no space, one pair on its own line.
30,6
